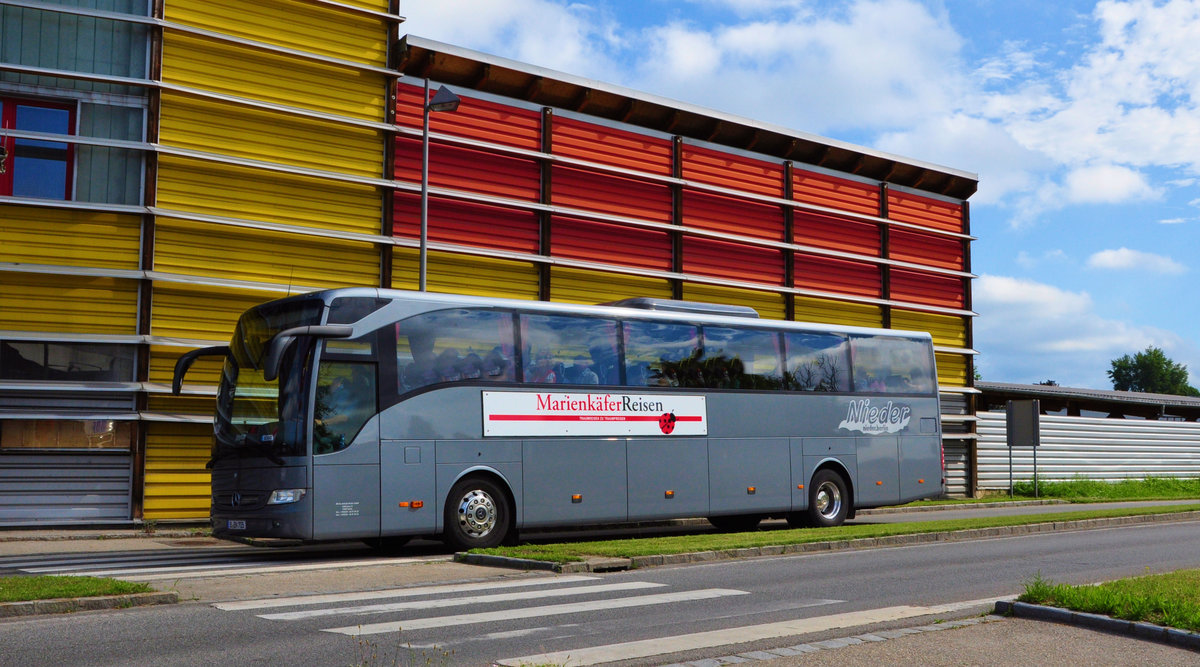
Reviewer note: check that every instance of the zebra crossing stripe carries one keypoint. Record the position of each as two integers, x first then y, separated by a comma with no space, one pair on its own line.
444,589
663,645
458,602
533,612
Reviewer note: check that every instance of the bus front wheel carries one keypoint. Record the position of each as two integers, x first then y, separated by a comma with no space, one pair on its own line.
477,515
828,500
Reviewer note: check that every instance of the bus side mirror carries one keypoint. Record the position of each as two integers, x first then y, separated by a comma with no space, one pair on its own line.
284,339
185,362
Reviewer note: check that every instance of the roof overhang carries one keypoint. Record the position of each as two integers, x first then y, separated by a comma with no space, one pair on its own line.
446,63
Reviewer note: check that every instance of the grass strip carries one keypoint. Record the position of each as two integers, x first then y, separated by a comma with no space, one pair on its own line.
1171,599
675,544
1082,490
22,589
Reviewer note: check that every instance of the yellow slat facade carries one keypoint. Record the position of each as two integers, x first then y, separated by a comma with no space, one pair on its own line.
465,274
590,287
809,309
69,304
769,305
37,235
177,484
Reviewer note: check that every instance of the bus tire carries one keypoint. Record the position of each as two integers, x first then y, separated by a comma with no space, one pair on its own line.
828,499
478,515
735,523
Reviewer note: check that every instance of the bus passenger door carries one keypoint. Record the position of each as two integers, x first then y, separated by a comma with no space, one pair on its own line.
407,495
878,471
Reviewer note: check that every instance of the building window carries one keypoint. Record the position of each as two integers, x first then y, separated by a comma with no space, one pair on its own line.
66,362
35,167
30,434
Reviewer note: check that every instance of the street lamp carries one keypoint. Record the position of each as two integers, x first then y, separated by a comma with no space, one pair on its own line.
443,100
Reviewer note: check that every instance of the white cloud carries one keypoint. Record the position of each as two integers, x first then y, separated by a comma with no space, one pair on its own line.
1029,332
1106,184
1123,259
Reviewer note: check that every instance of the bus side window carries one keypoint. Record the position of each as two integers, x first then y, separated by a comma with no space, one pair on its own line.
346,399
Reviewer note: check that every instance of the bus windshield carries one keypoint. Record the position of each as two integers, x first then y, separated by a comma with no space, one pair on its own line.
255,418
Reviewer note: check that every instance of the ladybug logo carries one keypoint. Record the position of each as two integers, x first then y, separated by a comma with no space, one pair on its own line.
667,423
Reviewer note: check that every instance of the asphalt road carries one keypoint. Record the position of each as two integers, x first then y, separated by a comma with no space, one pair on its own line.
504,615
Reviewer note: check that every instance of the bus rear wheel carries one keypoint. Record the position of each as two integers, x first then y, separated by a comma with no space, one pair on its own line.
478,515
828,500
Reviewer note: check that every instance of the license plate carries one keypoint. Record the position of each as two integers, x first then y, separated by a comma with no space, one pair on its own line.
237,524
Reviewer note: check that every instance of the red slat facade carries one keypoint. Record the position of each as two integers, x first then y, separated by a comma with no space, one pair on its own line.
840,276
834,233
469,169
732,261
613,195
612,244
731,215
927,249
606,145
467,223
927,288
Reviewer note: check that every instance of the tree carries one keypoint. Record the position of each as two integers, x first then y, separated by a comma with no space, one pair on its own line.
1151,371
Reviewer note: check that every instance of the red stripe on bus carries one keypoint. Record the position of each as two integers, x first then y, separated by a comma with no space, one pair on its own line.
576,418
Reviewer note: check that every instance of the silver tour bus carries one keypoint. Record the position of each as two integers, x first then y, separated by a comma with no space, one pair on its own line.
380,415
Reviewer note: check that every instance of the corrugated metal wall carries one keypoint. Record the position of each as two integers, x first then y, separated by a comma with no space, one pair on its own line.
268,183
1090,447
267,172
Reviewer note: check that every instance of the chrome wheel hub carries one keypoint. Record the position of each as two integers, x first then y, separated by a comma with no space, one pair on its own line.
477,514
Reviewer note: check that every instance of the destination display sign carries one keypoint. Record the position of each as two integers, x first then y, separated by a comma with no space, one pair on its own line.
512,413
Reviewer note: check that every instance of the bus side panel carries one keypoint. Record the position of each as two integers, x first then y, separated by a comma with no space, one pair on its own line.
920,467
346,488
878,471
572,482
407,492
749,475
668,477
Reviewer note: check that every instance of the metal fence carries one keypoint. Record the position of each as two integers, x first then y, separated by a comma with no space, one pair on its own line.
1089,447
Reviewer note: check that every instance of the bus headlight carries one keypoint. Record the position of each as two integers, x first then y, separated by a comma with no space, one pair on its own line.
285,496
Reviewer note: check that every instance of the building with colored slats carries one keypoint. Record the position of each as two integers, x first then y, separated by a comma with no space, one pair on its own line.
222,153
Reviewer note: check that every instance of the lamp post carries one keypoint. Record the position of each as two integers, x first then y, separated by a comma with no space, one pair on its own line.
443,100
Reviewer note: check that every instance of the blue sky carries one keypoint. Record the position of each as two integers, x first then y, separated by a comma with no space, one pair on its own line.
1082,120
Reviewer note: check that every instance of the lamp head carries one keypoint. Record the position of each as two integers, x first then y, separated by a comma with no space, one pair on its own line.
444,100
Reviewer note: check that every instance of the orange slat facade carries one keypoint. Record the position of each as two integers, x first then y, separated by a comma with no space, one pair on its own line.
925,211
474,118
612,244
728,170
840,193
606,145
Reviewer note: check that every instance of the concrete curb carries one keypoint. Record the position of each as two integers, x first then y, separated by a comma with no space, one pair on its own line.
1149,631
616,564
66,605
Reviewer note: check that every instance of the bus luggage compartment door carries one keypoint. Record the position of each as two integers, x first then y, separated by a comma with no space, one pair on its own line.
407,494
574,481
